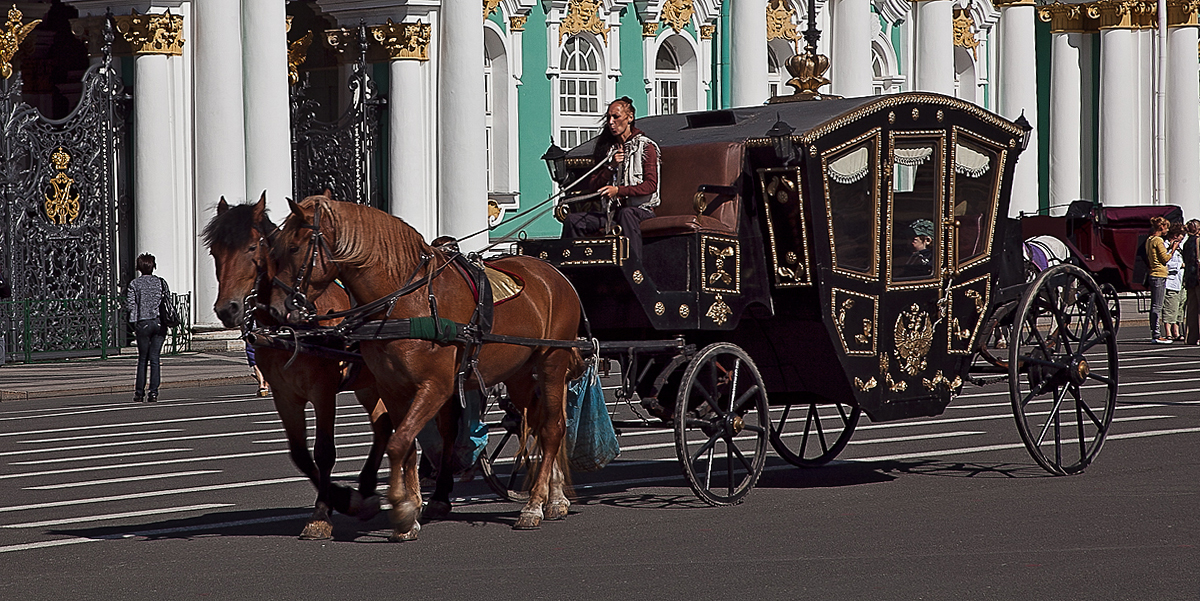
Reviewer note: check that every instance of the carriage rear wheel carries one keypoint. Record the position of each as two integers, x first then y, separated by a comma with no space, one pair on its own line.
721,424
826,431
1063,369
1114,304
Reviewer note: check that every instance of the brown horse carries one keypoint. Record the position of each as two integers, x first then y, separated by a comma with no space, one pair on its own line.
237,239
376,254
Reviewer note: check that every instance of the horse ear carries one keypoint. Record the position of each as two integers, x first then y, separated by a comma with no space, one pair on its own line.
260,207
296,210
327,193
222,206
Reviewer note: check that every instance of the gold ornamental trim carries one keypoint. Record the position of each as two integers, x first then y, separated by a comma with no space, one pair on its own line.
719,312
677,13
63,207
1067,18
707,32
489,7
650,29
152,33
296,55
964,34
11,37
781,22
1182,13
1123,14
583,15
517,22
914,339
404,41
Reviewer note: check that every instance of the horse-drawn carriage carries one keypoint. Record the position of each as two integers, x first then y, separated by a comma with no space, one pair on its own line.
781,293
810,262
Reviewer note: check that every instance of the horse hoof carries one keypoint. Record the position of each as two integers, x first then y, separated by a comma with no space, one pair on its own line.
400,537
528,521
436,510
369,508
557,510
317,530
404,515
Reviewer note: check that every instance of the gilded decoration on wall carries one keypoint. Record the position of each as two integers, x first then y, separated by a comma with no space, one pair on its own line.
152,33
677,13
63,207
297,54
964,37
489,7
11,37
718,274
650,30
404,40
914,337
707,32
719,312
583,15
517,22
781,22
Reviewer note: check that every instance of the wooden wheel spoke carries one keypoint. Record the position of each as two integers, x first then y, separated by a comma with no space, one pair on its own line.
733,448
753,428
816,417
1083,406
1052,418
1099,378
1102,339
744,398
704,448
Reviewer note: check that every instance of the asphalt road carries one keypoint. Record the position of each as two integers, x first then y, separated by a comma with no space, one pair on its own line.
195,497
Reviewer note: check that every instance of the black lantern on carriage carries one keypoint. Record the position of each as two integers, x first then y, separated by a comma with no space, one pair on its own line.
781,141
556,162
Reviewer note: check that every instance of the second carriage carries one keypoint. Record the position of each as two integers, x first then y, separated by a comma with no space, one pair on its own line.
781,292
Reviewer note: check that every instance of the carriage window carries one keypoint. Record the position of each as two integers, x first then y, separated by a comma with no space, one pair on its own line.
852,207
976,174
916,193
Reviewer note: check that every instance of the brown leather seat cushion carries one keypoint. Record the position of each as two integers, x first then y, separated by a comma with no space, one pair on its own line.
684,169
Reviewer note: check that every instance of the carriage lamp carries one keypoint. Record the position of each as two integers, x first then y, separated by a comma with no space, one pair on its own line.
781,140
1023,123
556,162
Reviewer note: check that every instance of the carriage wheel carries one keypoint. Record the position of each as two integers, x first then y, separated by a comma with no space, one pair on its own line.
826,430
504,466
1063,369
996,332
1114,304
721,424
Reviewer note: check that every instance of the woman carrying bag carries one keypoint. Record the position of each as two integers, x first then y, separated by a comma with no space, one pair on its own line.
144,299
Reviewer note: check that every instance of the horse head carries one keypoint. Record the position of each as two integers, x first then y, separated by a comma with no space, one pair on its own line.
302,259
237,240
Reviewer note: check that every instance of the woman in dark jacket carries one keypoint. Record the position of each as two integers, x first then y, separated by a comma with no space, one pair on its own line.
142,299
1191,281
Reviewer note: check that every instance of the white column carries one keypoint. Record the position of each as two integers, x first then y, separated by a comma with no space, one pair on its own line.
154,209
851,72
1018,94
1066,108
1118,123
462,161
935,46
267,112
748,53
220,131
1183,121
411,147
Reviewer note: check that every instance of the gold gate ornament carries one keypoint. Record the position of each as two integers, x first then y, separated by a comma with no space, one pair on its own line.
63,208
11,37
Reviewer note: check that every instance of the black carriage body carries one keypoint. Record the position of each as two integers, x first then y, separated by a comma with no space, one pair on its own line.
798,248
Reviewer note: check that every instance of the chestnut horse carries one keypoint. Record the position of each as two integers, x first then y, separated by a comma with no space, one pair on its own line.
237,239
375,255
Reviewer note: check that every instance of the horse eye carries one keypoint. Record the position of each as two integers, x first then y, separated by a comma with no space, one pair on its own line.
293,249
253,247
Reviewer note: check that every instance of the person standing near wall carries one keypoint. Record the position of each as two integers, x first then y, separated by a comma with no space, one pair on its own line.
1173,300
143,297
1191,281
1157,255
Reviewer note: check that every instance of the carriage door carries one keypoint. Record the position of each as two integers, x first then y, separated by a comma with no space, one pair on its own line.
915,375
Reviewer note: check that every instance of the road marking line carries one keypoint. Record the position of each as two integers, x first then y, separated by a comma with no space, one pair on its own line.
91,457
134,424
91,436
159,532
97,468
129,406
133,442
117,516
120,480
154,493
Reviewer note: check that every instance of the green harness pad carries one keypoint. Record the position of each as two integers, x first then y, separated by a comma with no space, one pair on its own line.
444,331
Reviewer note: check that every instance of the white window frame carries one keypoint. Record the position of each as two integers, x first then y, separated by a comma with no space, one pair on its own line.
579,83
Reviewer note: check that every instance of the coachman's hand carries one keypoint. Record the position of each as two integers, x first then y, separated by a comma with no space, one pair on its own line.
609,191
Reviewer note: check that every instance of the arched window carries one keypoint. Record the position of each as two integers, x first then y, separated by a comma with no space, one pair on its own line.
580,105
667,76
773,78
489,96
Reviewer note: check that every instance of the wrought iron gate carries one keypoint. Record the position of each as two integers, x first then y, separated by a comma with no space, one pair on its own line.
58,219
343,156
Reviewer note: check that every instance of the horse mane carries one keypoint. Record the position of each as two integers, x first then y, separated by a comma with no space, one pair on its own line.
232,229
368,236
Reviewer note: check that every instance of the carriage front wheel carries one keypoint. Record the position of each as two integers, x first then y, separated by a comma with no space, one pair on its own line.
1063,369
721,424
821,431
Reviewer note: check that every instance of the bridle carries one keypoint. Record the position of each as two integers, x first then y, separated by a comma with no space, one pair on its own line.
296,301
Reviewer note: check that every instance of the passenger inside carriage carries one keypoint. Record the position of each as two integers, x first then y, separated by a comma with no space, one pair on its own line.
629,180
920,262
